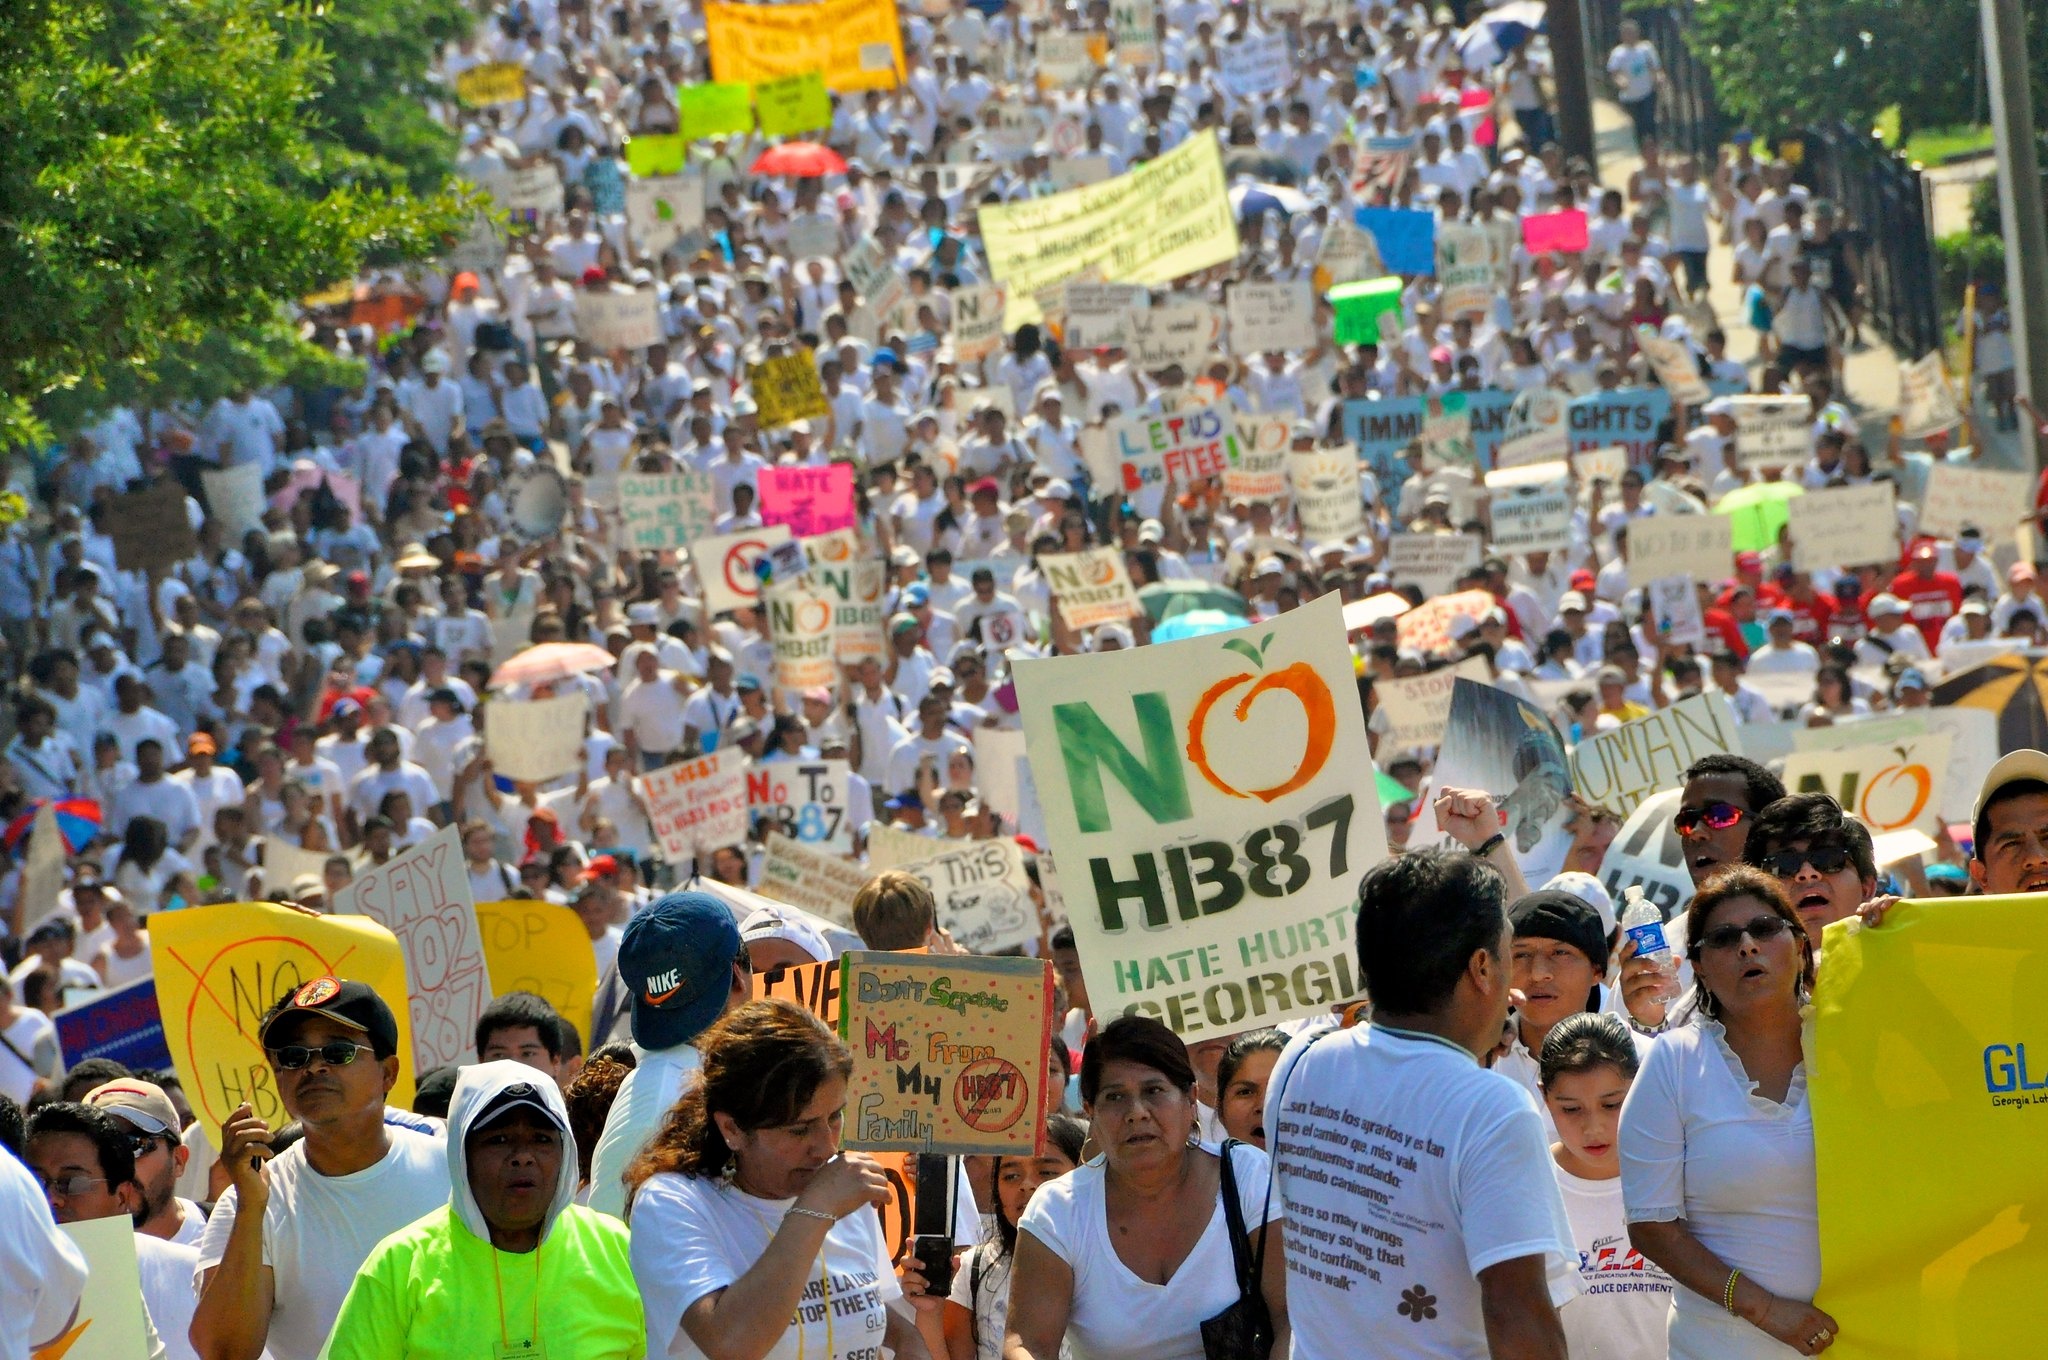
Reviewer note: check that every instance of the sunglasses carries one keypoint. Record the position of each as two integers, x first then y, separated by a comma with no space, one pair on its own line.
1716,816
69,1187
340,1053
1762,929
1825,859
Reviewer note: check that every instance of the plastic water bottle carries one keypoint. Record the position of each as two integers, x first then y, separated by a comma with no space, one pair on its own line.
1643,923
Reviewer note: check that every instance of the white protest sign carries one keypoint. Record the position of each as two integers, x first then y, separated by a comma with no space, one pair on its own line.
608,320
982,891
1418,706
529,189
866,266
422,896
1927,403
284,861
1464,270
1537,428
666,509
1672,362
1531,507
1071,172
1063,58
725,565
813,238
1134,24
537,740
1598,465
1431,562
1446,436
660,210
1674,604
1011,127
1772,431
1327,499
1347,254
1191,443
698,805
111,1321
1260,472
1699,546
1182,333
1844,526
1091,586
1957,495
1648,853
803,800
1098,314
977,321
1896,786
1271,316
1171,776
800,619
234,500
1619,769
813,879
1256,64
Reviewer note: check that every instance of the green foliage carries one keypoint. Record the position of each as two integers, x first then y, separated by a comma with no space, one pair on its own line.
370,114
1984,209
165,197
1965,257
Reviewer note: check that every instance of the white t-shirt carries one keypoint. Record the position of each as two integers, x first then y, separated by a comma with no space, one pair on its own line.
167,1271
34,1035
1627,1300
318,1230
1455,1177
1115,1315
42,1271
642,1102
694,1236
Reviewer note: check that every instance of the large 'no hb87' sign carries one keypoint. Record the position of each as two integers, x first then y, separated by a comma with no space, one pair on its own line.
1206,797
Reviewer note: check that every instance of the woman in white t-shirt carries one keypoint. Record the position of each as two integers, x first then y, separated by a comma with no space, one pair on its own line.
1717,1162
979,1307
753,1235
127,957
1587,1063
1128,1256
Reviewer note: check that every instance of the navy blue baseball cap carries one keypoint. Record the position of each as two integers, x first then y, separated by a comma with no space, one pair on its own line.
676,959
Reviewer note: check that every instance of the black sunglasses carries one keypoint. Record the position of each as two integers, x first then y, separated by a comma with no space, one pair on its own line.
340,1053
1825,859
1763,928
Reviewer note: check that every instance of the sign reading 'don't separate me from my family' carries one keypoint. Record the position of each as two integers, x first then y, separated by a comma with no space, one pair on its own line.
948,1052
1203,802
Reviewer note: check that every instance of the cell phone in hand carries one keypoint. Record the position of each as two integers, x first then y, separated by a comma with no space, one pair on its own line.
934,1253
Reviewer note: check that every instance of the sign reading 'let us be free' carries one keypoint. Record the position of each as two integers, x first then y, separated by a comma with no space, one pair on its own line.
1205,794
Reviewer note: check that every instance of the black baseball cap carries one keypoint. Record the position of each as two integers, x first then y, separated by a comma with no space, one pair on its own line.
355,1004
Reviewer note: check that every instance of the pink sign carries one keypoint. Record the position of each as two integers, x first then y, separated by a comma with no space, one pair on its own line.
1562,231
810,500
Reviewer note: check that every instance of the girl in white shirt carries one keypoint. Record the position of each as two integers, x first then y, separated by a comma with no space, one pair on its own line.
979,1305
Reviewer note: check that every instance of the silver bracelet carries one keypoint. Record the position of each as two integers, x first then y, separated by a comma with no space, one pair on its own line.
809,1213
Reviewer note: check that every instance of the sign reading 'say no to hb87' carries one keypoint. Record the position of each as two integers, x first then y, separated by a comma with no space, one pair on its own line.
1207,796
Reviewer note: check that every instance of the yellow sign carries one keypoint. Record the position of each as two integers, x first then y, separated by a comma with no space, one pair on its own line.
1928,1068
219,968
539,947
856,43
1167,218
786,388
495,82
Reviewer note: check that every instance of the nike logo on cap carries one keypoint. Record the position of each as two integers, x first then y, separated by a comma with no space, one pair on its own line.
659,988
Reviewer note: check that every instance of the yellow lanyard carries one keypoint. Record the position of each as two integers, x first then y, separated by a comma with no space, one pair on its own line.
499,1280
824,1282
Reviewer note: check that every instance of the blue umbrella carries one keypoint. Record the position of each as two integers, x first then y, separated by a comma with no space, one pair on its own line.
1496,34
1195,623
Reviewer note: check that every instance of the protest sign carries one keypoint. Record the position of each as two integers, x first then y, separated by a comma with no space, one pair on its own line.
111,1321
793,104
813,879
1648,853
1419,706
1271,316
1536,429
1505,745
1327,500
857,44
803,801
725,565
977,321
1167,218
1193,442
1699,546
481,247
1063,58
1091,586
1382,161
540,947
810,500
531,189
1150,764
1464,269
651,155
948,1052
858,591
1098,314
1559,231
1182,333
1531,508
800,631
1957,495
1405,238
698,805
422,896
983,893
609,320
234,500
1927,402
813,238
535,741
1601,465
1628,416
1074,172
1676,369
1133,24
1431,562
1446,435
1256,63
150,528
1889,787
1002,770
538,497
219,968
1920,1028
1360,615
284,861
716,108
1260,472
1772,431
786,388
1348,254
666,509
662,209
1844,526
1674,605
1366,311
1620,768
492,82
122,1024
43,873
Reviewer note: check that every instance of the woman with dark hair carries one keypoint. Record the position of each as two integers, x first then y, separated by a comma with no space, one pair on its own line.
786,740
754,1237
1129,1255
148,872
980,1302
1833,697
1717,1164
1241,1075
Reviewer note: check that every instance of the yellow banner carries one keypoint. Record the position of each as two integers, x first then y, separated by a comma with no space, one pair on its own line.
786,389
495,82
1167,218
1928,1064
219,968
540,947
856,43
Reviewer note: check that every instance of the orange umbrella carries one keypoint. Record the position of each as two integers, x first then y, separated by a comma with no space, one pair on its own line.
800,160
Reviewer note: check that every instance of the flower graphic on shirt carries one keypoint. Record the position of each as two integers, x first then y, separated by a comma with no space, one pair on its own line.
1417,1304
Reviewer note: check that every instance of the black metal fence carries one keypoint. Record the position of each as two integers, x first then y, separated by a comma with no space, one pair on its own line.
1688,117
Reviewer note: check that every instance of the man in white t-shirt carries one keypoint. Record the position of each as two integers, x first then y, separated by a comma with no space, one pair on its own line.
42,1271
1421,1206
287,1238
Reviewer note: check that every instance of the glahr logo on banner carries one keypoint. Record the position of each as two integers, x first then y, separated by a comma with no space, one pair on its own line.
2007,1079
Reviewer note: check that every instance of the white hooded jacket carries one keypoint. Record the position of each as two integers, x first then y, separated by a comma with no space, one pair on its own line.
484,1090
